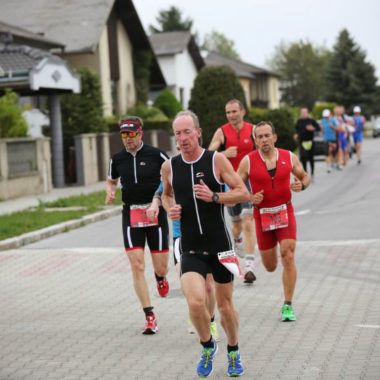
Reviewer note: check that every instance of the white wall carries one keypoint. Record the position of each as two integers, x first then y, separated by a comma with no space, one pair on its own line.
179,71
185,75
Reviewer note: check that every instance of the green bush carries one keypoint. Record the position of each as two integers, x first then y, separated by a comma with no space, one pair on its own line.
168,103
283,121
12,124
146,113
213,88
318,109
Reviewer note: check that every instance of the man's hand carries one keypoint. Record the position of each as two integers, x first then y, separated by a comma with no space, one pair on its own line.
152,212
203,192
310,128
231,151
110,197
296,185
258,197
175,212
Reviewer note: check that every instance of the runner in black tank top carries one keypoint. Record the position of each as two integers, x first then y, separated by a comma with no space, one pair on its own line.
202,223
195,179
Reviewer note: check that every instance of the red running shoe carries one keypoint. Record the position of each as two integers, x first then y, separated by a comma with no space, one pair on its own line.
163,287
150,326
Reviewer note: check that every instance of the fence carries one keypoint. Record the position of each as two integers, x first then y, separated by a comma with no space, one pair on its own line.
25,167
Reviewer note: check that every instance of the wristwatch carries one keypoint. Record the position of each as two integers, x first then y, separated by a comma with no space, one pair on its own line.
215,197
303,186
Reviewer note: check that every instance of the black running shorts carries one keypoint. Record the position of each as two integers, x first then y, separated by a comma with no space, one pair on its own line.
156,236
203,263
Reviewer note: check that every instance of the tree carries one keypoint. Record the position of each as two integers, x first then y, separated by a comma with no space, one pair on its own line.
350,78
12,124
83,113
219,43
171,20
302,69
213,87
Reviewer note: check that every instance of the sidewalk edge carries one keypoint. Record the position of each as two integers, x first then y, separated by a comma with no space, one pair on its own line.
31,237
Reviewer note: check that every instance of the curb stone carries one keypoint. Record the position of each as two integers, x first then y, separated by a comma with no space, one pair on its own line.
31,237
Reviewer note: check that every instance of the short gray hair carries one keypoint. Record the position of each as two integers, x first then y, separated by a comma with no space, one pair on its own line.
188,113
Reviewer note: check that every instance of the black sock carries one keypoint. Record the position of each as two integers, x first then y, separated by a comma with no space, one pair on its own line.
212,318
289,303
158,278
232,348
148,310
208,344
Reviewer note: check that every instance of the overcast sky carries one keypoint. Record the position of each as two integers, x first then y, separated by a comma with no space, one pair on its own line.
257,26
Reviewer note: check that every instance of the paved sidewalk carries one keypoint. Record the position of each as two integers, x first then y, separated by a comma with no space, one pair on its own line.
19,204
72,314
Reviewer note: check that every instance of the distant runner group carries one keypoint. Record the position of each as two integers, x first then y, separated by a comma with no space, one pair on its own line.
243,170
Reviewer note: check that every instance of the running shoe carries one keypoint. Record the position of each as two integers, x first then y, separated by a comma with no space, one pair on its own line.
204,368
214,331
249,277
239,247
235,367
150,326
163,287
288,313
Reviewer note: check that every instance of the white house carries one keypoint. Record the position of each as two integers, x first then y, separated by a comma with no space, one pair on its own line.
180,61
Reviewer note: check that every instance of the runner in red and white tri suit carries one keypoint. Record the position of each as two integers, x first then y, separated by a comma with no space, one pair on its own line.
268,170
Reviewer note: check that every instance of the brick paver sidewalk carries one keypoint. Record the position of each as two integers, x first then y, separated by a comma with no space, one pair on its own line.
73,314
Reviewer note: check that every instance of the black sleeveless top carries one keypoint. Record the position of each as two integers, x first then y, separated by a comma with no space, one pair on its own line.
202,223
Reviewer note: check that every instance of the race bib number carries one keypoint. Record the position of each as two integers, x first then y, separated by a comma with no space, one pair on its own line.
273,218
229,260
139,217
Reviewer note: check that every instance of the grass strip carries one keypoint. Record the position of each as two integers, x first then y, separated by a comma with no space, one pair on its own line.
22,222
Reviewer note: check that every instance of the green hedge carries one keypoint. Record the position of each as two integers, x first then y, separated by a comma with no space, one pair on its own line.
318,109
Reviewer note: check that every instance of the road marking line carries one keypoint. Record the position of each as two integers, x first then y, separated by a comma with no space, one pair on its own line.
302,212
369,326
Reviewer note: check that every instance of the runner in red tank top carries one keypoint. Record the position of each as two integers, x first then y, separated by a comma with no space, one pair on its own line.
235,139
268,169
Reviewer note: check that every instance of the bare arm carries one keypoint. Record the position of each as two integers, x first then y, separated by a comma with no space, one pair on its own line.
301,179
111,186
218,140
243,172
154,208
237,190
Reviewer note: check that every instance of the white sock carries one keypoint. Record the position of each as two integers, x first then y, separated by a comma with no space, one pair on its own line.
249,262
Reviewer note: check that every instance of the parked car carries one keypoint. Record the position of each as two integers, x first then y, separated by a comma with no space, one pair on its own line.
376,127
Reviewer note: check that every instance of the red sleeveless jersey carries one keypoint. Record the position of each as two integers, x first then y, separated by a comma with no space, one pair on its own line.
243,140
277,188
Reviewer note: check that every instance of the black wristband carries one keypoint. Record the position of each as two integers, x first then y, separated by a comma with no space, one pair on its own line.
303,186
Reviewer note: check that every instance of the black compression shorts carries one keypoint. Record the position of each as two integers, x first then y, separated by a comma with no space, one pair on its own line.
203,263
156,236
